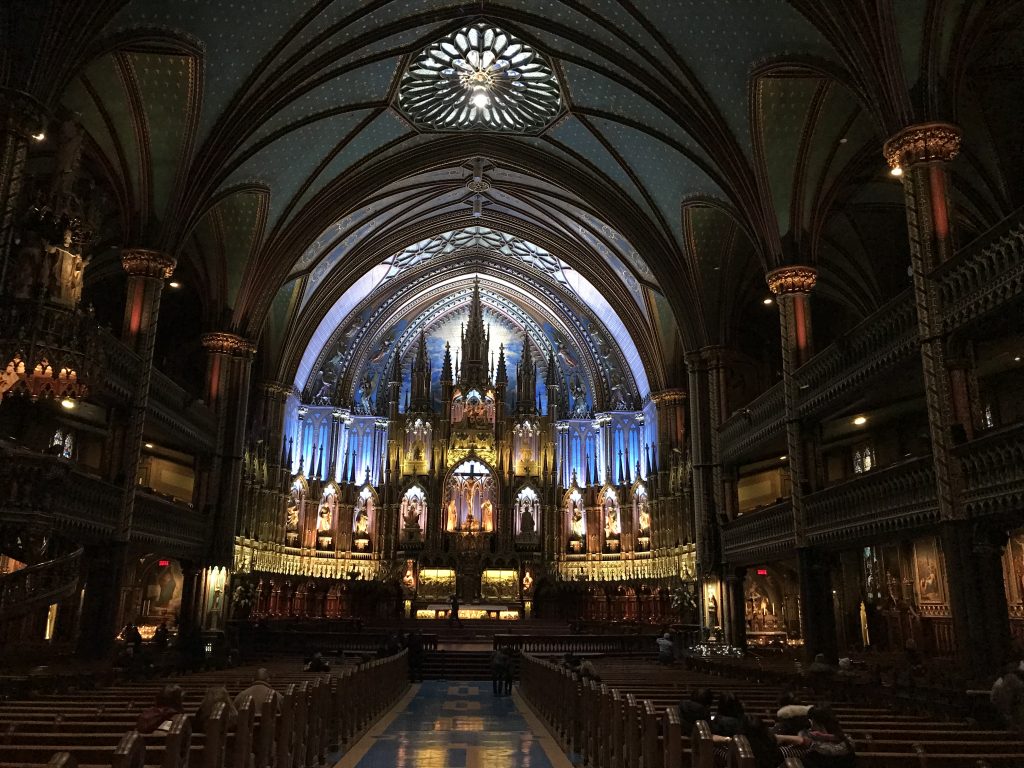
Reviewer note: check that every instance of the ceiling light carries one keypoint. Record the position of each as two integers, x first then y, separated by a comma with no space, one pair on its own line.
481,100
861,421
896,171
767,301
174,284
39,136
68,403
1016,359
149,445
783,458
842,140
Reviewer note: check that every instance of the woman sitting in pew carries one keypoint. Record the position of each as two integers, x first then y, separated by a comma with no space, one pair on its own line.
158,717
729,715
215,695
763,743
824,744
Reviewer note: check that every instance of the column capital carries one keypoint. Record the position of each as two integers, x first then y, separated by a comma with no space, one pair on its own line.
22,114
145,262
276,388
922,143
791,279
223,343
668,396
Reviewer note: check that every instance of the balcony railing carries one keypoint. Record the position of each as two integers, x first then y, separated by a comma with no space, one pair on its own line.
766,534
978,280
896,498
48,491
993,467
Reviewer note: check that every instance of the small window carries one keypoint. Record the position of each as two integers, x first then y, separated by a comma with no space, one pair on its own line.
863,459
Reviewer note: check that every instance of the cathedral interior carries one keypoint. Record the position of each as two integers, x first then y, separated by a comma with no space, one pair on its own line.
703,315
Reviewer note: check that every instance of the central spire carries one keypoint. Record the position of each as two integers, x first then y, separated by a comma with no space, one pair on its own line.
476,340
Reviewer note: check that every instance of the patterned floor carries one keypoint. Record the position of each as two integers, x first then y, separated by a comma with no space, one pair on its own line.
457,725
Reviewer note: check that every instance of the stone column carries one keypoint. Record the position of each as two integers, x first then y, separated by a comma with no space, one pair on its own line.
671,428
229,361
21,119
920,155
792,286
734,607
702,442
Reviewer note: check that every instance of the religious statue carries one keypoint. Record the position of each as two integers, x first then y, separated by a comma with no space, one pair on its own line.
712,612
611,523
526,524
577,521
487,515
291,516
409,579
323,522
452,515
579,398
363,404
362,521
644,517
412,514
527,582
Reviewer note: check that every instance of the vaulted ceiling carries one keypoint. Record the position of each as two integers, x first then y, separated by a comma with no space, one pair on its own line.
697,145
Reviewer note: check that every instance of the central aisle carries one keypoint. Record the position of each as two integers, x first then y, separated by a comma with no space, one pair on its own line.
456,725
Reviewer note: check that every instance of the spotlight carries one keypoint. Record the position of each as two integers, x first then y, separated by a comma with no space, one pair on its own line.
896,171
480,100
149,445
39,136
783,458
861,421
767,302
174,284
68,403
1016,359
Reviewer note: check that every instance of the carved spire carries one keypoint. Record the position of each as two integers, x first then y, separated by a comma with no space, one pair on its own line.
446,366
421,400
526,380
475,341
501,378
586,476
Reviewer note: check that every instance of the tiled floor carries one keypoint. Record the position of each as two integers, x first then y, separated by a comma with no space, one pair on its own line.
457,725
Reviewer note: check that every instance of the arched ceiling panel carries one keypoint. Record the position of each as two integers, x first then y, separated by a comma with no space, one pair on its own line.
286,163
361,85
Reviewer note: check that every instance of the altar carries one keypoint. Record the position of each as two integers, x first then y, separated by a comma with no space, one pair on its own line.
500,611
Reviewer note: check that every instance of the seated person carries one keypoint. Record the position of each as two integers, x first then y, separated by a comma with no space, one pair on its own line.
158,717
666,649
697,707
825,744
260,691
569,661
767,753
791,717
587,671
317,663
821,667
214,695
728,716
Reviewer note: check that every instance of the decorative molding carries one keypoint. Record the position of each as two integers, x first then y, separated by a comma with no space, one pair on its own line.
145,262
223,343
792,279
21,113
922,143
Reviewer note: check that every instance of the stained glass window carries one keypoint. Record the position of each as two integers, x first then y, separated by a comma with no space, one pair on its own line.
480,78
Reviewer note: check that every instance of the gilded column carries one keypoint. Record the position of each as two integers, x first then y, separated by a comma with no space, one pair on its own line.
21,119
920,155
229,361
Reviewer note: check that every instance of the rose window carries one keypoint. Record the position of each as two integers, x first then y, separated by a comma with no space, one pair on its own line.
480,77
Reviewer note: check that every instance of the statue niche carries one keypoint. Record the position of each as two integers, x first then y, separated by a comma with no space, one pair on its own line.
527,515
413,513
327,512
576,522
470,498
611,520
362,521
293,513
642,515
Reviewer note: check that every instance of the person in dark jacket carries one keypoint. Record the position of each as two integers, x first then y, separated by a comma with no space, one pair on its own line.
697,707
728,716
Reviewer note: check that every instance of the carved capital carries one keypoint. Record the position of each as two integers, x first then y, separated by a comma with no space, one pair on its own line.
922,143
668,396
143,262
276,389
792,280
222,343
21,114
